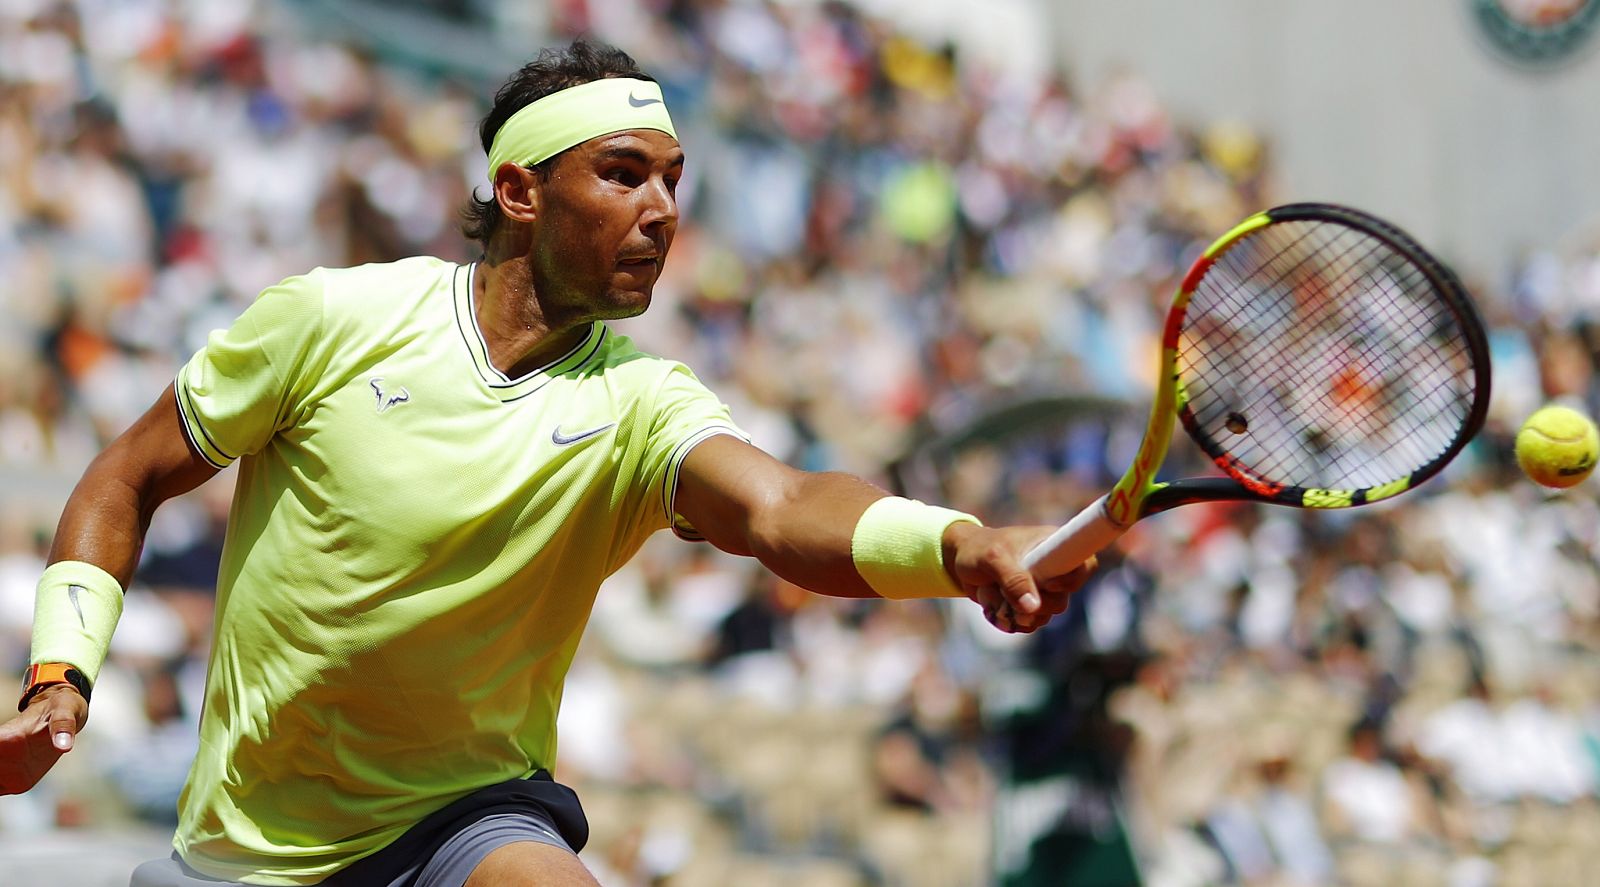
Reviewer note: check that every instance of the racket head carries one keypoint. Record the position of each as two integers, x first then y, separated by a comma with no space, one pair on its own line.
1321,358
1137,493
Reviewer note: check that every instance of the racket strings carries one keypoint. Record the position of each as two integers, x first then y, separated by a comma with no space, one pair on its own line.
1371,367
1375,359
1335,353
1370,362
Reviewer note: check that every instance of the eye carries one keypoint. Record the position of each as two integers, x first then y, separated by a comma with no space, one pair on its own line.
624,176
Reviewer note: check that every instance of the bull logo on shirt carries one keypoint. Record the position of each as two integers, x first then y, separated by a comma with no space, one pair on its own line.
385,399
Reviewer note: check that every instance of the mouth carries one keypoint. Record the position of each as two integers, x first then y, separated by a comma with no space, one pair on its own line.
642,269
638,273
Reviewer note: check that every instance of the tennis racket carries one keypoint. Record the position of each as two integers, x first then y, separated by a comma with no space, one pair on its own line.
1319,356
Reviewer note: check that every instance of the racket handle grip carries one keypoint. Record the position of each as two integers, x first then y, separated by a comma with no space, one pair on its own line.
1075,542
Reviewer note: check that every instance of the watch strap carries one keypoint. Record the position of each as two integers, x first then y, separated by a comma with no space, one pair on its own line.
46,674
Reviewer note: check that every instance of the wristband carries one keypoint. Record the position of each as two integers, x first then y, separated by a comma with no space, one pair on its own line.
48,674
75,610
898,548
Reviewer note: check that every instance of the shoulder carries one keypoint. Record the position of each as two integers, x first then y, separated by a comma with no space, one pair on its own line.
382,301
624,364
386,283
349,305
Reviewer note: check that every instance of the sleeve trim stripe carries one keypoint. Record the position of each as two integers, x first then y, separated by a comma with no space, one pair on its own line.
669,488
193,424
195,416
187,419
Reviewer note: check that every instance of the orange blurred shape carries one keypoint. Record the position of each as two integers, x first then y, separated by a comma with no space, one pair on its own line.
1351,389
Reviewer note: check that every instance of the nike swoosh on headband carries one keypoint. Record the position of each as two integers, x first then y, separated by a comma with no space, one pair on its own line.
640,103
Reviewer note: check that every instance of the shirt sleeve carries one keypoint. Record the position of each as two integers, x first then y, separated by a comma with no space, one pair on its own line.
686,414
245,384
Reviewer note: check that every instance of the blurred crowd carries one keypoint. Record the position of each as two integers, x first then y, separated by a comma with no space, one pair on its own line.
884,241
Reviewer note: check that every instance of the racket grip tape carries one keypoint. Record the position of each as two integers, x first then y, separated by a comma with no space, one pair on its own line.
1090,531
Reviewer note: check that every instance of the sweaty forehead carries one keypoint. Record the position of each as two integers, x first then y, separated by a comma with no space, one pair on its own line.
645,145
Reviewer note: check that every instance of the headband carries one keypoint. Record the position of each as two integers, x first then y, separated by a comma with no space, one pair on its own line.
577,114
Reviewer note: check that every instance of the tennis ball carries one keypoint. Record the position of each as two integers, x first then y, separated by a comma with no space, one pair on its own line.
1557,447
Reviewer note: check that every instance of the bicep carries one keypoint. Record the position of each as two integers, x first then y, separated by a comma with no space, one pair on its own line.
726,487
164,454
104,519
797,523
154,457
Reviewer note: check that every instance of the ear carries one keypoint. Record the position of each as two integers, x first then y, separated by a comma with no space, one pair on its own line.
517,190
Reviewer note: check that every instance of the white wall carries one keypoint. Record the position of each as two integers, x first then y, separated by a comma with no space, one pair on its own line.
1395,106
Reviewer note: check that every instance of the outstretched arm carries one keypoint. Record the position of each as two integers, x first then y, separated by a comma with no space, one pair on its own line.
103,525
801,526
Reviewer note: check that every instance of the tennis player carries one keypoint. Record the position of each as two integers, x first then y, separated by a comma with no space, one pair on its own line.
438,465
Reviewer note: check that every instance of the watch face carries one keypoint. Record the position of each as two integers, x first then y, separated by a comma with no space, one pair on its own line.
1537,32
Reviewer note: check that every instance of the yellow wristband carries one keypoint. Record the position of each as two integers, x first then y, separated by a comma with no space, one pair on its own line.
75,610
898,548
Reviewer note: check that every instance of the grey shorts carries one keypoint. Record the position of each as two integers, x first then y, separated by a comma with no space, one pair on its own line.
441,852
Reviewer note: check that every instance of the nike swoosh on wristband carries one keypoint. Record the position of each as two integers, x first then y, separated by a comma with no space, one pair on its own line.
72,593
640,103
561,440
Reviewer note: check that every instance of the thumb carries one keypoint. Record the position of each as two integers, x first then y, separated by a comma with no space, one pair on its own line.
1021,591
63,730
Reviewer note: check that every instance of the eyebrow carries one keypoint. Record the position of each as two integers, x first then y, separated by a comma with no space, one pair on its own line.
627,152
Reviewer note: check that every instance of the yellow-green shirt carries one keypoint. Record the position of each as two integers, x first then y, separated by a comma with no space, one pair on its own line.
412,554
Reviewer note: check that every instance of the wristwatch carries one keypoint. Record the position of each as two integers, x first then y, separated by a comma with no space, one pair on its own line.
45,674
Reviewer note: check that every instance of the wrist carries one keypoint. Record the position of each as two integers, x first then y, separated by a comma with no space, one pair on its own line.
75,611
899,548
951,541
50,678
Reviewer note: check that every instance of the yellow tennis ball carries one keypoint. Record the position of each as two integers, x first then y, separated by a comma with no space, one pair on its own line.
1557,447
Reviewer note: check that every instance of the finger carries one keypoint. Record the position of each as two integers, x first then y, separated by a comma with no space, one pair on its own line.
1020,591
63,728
997,563
1068,584
62,739
988,596
1054,605
1028,624
996,609
992,609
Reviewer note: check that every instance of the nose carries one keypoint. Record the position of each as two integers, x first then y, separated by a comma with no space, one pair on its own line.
660,205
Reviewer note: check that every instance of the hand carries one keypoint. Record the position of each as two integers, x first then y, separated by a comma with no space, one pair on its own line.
987,563
31,742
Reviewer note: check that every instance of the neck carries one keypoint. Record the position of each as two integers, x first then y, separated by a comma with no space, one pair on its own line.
519,334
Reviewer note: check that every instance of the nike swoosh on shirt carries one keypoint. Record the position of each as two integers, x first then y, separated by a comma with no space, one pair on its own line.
561,440
640,103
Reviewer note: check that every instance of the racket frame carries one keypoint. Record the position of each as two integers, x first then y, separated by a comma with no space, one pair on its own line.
1137,494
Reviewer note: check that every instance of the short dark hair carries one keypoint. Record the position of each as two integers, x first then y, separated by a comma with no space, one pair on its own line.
553,70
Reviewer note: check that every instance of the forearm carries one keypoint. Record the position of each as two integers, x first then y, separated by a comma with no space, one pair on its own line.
838,535
804,536
104,520
106,516
76,609
79,598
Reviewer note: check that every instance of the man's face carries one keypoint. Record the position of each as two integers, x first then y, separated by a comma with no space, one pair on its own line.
606,219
